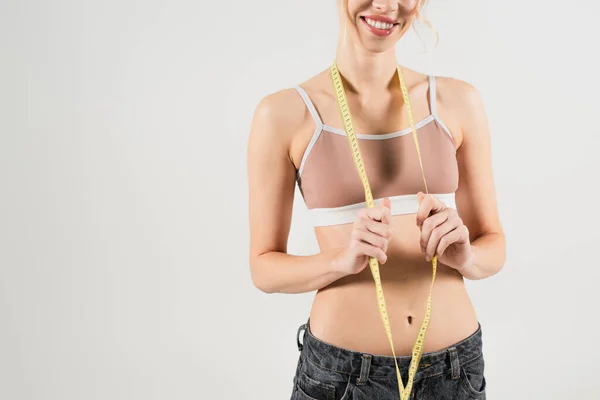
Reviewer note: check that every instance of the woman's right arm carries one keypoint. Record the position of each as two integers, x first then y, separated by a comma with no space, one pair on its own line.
271,179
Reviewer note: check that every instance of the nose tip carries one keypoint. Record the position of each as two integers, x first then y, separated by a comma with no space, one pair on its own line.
385,5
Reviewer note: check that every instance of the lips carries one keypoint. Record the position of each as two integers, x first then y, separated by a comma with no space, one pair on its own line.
379,25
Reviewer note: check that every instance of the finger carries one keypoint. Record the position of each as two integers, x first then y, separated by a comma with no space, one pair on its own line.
370,238
424,208
387,203
379,213
458,235
379,228
436,236
428,204
430,224
372,251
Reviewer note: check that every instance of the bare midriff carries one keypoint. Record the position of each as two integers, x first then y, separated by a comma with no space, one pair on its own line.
345,313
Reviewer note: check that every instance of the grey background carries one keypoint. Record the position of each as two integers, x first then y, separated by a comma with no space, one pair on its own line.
123,194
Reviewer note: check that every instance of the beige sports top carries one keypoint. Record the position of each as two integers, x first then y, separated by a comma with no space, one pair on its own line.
331,187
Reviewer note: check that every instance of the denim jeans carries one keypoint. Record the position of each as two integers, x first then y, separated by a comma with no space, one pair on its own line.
328,372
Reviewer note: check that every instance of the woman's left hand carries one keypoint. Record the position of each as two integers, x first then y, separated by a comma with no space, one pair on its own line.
443,233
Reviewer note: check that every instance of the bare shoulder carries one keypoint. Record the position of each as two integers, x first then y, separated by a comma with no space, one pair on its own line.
279,111
277,118
456,91
460,105
283,123
287,106
283,117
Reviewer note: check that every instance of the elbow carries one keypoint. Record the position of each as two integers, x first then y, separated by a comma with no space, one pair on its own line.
500,266
262,285
497,265
493,270
501,259
259,279
501,262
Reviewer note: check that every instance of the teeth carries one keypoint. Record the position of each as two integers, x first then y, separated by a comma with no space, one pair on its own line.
379,24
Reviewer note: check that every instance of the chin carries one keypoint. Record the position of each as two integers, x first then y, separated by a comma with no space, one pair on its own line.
378,44
377,48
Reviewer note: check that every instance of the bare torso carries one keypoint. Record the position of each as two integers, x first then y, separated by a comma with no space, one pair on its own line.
345,313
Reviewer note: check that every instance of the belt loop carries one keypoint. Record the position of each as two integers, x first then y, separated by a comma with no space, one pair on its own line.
454,363
364,369
300,329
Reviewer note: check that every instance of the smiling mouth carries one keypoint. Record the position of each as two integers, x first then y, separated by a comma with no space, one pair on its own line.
379,28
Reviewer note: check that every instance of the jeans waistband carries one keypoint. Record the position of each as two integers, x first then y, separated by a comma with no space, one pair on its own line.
364,365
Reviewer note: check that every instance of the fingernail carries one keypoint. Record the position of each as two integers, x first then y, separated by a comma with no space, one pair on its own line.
427,258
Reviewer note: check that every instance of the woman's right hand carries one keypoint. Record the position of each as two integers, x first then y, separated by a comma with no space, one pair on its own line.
371,234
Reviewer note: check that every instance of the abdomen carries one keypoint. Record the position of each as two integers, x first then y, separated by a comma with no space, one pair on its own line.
346,314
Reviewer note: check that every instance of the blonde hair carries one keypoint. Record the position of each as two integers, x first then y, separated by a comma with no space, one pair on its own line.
419,17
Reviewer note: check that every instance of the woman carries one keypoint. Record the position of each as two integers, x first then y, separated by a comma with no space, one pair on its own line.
297,135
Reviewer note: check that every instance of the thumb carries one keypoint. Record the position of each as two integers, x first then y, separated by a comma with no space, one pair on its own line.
386,202
420,196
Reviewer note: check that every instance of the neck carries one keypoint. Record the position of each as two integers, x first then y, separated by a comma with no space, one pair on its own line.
366,72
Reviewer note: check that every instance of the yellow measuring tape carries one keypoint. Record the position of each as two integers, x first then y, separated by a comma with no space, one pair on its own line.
417,350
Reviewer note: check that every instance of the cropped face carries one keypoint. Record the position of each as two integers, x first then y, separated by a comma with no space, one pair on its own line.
377,24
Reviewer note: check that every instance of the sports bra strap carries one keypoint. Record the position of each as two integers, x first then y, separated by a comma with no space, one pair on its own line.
310,106
432,95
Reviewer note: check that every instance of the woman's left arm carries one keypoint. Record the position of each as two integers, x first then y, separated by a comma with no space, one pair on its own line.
470,239
476,194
